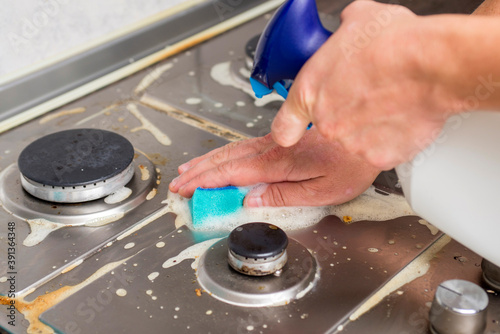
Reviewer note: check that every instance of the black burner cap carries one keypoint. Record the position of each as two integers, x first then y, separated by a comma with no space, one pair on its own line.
257,240
76,157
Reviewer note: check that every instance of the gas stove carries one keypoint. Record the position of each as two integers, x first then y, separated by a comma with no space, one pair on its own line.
94,250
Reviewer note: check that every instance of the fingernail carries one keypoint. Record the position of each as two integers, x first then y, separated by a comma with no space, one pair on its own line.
174,182
254,202
254,197
184,167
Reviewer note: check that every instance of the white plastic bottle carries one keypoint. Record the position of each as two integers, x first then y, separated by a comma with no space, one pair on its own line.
455,183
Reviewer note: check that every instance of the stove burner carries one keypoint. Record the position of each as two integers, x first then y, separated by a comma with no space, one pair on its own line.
76,165
491,274
222,282
257,249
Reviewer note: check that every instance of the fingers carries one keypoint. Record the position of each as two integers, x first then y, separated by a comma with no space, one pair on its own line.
218,157
314,192
244,171
292,120
280,194
230,151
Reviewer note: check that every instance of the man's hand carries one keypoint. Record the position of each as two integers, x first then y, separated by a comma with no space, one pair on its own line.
368,87
313,172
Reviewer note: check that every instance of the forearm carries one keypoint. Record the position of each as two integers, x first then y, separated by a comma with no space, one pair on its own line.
488,7
461,55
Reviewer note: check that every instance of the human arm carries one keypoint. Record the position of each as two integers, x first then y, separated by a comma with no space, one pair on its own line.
393,78
311,173
488,7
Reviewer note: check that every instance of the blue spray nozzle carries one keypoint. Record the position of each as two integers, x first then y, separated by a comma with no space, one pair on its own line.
291,37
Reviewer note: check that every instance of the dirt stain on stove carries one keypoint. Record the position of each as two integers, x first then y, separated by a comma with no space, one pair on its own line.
61,113
145,175
209,143
33,309
157,159
147,125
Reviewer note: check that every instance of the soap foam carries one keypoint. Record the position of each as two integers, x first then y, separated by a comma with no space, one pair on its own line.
370,205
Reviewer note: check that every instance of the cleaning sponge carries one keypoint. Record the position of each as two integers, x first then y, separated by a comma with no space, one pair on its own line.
209,203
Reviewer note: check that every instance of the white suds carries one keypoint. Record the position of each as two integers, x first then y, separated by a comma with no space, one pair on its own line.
154,275
193,252
368,206
145,174
193,100
129,245
101,221
118,196
151,194
121,292
152,77
40,229
222,74
434,230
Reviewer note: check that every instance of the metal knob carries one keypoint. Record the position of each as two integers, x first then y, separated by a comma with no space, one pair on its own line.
257,249
491,274
459,307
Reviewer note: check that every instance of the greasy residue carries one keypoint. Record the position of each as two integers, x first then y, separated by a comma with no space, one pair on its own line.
32,310
161,137
152,77
40,228
145,174
61,113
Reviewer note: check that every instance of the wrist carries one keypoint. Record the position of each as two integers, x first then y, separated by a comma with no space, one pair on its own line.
460,57
439,66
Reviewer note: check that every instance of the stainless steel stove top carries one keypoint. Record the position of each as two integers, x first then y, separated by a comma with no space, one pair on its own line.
120,265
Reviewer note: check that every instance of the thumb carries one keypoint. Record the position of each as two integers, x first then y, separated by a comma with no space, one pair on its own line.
280,194
290,123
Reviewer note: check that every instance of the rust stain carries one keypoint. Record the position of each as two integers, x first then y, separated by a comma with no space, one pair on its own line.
209,143
32,310
145,175
192,120
157,159
61,113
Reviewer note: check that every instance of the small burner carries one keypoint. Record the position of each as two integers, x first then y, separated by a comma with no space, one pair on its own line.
257,249
76,165
491,274
296,278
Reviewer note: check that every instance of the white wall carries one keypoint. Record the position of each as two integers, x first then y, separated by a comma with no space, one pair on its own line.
34,30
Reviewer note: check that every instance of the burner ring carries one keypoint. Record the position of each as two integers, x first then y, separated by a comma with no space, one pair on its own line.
78,194
76,165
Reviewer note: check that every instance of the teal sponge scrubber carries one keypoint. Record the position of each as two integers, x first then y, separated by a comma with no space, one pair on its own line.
209,203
